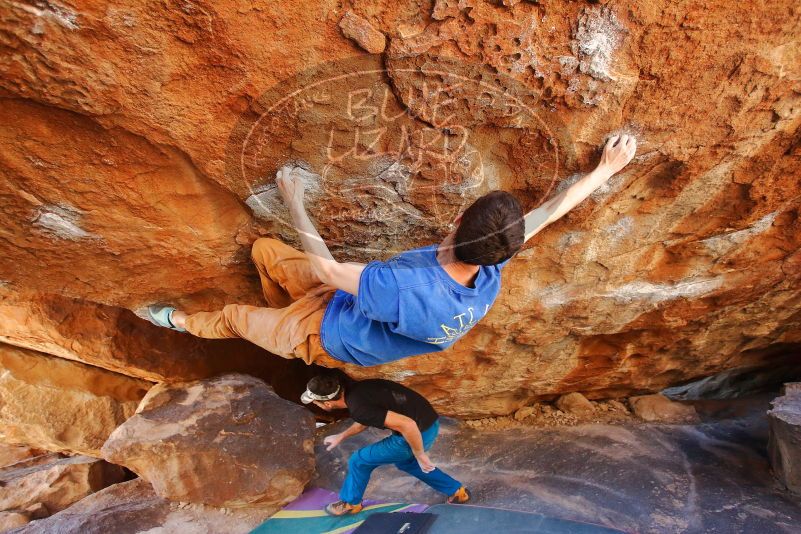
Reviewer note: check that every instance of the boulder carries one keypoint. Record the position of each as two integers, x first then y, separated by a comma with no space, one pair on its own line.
60,405
575,403
784,441
225,441
525,411
658,408
133,508
617,406
47,484
150,159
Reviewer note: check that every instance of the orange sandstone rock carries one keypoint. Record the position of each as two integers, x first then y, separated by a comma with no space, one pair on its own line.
11,454
115,339
58,405
138,145
356,28
661,409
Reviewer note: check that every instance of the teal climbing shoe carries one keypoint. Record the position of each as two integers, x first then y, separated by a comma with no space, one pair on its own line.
161,316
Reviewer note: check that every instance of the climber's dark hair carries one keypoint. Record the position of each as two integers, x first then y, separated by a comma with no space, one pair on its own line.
325,385
491,230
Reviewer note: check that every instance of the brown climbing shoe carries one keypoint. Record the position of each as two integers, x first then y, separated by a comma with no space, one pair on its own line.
460,497
343,508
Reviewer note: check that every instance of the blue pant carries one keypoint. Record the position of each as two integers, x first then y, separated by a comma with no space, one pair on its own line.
393,450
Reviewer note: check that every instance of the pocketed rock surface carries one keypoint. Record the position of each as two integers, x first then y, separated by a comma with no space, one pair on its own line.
227,441
138,146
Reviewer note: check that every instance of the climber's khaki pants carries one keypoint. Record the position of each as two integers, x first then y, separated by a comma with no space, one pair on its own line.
290,327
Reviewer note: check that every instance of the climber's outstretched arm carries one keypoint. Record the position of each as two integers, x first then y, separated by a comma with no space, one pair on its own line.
344,276
617,153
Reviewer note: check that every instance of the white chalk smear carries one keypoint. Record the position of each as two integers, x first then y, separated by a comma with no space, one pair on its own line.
696,287
50,10
556,295
61,221
399,376
560,294
612,185
620,229
266,201
723,243
569,239
399,175
597,35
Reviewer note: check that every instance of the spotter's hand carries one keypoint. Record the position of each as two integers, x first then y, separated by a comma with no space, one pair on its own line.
618,152
425,463
332,441
290,185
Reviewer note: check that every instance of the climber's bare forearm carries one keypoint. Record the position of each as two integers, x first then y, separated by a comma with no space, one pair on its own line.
316,249
344,276
558,205
617,153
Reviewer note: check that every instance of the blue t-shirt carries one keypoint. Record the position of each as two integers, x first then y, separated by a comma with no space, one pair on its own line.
406,306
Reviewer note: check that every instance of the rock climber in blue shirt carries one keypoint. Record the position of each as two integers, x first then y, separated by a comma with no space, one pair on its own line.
420,301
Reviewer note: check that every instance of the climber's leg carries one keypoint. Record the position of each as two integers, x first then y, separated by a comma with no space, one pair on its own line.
286,274
290,332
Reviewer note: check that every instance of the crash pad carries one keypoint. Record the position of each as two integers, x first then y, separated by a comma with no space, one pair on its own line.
306,515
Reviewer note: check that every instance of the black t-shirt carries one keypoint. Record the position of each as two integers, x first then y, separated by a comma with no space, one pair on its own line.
369,401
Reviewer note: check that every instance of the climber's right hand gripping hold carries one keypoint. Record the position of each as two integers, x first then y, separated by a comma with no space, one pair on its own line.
618,152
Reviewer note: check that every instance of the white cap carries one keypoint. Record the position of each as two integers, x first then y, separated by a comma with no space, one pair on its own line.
309,396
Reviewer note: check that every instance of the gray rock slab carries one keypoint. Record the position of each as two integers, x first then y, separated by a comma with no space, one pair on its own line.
707,477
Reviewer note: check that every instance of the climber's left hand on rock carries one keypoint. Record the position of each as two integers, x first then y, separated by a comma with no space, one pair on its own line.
290,184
